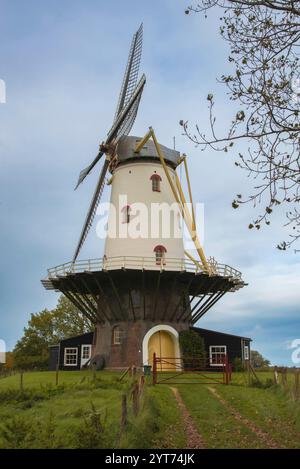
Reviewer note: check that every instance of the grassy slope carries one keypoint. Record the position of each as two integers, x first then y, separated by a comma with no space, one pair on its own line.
271,409
62,415
68,405
159,423
217,426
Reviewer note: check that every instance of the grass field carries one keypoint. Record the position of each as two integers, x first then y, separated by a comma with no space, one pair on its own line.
269,410
84,411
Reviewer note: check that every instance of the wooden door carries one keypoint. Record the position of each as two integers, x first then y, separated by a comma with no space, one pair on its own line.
161,343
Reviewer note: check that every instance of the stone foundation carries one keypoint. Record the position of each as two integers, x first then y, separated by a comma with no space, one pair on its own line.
130,351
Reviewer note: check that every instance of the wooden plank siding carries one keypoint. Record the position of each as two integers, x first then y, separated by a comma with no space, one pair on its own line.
234,343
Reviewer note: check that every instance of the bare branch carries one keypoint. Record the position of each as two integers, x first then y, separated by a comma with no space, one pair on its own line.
264,37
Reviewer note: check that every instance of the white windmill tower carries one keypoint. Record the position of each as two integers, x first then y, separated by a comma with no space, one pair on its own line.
143,290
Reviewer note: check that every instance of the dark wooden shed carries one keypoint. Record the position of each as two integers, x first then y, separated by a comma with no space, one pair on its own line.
218,344
75,352
72,353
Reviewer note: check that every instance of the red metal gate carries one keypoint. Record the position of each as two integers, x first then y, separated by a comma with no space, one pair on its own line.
172,370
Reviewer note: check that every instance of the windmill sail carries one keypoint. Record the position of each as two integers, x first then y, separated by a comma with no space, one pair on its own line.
127,91
93,208
83,174
131,71
125,128
121,127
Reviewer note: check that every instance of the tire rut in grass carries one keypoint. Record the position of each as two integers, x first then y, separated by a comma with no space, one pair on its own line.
193,437
263,436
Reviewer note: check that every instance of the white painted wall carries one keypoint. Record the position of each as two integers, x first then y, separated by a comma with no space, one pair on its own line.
133,181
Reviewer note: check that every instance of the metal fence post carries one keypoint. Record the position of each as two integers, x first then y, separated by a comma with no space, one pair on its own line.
226,370
230,371
154,369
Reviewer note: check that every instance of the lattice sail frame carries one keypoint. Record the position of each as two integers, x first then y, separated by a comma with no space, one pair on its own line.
126,112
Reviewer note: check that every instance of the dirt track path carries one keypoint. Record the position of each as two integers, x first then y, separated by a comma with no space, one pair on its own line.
193,437
264,437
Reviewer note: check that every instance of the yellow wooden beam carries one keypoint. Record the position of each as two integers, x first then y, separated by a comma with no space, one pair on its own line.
190,191
189,223
180,160
184,204
143,141
197,263
187,218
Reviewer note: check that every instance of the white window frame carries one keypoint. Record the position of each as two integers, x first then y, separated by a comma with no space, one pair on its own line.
117,332
211,353
90,351
246,352
160,257
66,352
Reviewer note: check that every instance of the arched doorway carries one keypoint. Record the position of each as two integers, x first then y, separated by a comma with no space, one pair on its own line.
167,342
162,344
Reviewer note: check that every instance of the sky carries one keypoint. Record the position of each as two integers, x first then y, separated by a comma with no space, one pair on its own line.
63,62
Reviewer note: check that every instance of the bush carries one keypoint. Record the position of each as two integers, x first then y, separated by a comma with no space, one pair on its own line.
16,396
93,434
31,362
25,433
30,396
192,346
255,383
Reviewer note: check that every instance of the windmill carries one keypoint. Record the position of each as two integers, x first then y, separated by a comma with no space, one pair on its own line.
143,291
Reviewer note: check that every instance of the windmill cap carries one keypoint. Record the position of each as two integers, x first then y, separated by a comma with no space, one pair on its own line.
127,145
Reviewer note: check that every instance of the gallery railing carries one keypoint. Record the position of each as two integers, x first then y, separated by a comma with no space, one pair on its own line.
141,263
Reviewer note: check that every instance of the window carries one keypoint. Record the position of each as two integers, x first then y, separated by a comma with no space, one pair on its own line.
86,352
117,335
246,352
71,356
217,354
160,255
126,214
155,178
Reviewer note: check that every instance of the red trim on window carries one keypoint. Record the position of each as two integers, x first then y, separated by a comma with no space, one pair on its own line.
160,254
156,180
159,248
155,176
